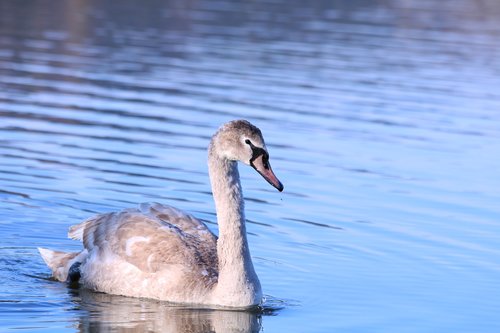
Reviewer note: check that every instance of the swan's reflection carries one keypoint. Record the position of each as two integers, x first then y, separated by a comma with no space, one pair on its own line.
125,314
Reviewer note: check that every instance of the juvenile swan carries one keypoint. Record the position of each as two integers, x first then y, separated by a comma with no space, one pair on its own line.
157,251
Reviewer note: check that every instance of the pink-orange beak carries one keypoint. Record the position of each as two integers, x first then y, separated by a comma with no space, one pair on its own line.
260,162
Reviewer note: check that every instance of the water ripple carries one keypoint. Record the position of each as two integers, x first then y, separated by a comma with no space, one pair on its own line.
384,112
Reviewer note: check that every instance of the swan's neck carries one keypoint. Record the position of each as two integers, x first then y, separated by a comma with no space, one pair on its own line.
238,284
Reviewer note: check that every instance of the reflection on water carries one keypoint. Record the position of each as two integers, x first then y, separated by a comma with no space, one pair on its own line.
381,118
124,314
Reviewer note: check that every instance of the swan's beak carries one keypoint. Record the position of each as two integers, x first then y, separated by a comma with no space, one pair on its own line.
261,164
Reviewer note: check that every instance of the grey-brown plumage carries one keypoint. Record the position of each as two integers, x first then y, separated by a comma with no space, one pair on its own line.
173,238
157,251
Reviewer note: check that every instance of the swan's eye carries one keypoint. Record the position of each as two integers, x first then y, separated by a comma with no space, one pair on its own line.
248,142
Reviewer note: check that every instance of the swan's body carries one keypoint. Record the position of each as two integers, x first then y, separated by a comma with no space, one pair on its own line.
157,251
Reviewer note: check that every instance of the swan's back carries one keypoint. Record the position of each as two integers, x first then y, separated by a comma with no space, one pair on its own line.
153,245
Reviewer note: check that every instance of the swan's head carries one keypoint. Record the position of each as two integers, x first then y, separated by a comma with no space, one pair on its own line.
239,140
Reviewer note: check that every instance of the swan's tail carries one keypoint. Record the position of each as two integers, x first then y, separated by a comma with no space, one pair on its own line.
64,265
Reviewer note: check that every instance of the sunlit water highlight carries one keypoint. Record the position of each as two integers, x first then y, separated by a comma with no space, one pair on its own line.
381,118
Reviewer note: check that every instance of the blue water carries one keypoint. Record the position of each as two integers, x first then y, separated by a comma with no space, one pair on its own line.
382,119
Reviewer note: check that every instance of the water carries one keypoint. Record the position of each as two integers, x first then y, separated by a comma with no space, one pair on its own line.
382,121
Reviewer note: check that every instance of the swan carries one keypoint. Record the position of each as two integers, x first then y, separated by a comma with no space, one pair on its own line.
160,252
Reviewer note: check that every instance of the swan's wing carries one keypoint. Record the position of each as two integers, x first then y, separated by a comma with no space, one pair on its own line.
152,238
171,215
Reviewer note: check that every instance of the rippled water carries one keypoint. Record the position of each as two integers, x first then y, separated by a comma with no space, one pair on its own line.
382,120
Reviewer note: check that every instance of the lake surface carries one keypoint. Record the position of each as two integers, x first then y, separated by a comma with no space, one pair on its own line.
382,119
